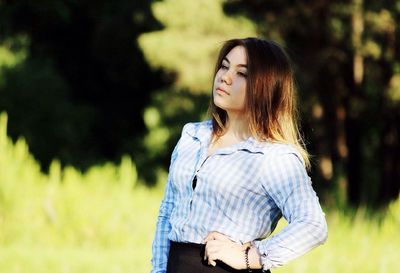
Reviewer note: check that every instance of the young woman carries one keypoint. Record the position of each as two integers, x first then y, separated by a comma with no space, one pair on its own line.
231,178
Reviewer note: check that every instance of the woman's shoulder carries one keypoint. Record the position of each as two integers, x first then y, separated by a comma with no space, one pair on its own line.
274,150
193,128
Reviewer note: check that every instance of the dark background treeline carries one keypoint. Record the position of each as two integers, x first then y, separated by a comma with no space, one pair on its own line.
78,85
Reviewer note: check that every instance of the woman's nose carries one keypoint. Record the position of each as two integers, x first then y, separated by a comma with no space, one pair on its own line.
226,77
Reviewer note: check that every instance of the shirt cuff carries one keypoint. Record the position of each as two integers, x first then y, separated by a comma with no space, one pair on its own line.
265,262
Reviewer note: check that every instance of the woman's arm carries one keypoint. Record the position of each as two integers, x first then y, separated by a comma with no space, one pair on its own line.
285,180
161,243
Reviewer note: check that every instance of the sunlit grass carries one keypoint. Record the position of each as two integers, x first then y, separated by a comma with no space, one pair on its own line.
103,221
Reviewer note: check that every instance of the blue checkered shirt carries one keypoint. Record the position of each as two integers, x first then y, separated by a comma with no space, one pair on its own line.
241,191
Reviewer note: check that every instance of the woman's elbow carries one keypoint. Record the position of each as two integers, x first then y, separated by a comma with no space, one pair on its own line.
321,232
317,229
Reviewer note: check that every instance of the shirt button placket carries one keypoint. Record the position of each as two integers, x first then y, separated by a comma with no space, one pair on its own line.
199,163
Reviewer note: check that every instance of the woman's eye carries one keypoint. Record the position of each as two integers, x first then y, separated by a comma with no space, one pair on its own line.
223,66
242,74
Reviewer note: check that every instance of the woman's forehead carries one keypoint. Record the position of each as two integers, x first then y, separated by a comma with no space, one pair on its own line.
237,55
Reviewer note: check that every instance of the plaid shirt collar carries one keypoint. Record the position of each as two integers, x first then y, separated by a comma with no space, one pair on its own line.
202,132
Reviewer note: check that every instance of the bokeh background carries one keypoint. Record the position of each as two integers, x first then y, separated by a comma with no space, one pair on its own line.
94,94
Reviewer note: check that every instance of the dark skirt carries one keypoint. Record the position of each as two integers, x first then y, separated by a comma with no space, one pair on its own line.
188,258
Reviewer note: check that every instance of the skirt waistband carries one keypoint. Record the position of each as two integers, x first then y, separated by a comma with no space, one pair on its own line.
187,246
188,257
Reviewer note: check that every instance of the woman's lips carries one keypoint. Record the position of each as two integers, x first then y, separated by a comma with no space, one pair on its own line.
220,90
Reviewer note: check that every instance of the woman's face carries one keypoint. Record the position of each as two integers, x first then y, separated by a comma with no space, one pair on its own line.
229,91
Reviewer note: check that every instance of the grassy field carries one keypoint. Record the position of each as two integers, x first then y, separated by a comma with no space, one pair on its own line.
69,221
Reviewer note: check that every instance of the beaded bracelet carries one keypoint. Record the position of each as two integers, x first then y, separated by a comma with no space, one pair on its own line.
246,252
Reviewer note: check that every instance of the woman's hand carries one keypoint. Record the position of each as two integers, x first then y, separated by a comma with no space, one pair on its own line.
220,247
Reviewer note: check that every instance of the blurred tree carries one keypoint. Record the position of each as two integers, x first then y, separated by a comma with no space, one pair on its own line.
382,64
347,53
189,42
79,93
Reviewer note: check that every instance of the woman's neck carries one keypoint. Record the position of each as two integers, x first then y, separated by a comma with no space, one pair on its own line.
237,126
235,131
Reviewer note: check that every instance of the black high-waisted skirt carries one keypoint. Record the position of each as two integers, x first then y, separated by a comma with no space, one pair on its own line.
188,258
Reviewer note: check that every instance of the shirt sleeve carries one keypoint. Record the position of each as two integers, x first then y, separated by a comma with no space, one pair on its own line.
285,180
160,248
161,243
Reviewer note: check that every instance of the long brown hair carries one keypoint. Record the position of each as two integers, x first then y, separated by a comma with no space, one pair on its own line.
270,104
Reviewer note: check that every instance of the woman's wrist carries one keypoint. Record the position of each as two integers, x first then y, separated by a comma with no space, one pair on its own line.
254,258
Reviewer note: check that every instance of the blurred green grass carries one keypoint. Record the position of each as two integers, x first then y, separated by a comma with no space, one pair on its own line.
104,221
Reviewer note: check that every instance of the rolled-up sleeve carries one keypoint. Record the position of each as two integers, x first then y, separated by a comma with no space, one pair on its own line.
287,183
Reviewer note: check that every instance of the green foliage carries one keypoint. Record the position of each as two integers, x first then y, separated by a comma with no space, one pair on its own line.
12,53
189,42
65,207
394,89
78,90
103,221
42,110
164,118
